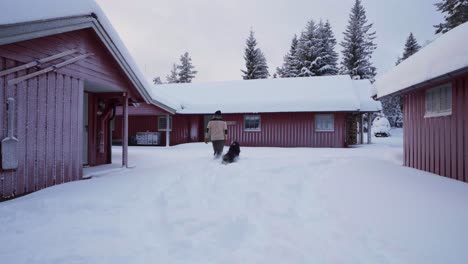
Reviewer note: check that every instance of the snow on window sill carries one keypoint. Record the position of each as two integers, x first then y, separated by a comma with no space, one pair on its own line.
252,130
323,130
429,115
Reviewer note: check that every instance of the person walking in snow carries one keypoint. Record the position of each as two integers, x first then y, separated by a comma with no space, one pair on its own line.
216,131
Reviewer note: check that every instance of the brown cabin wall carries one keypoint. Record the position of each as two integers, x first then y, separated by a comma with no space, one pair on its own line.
438,144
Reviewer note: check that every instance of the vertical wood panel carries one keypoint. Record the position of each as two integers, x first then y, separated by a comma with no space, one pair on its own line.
74,146
465,111
21,134
41,130
31,135
2,126
50,132
67,128
80,137
460,116
453,136
58,153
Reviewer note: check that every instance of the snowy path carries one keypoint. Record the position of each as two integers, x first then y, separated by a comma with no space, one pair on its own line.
273,206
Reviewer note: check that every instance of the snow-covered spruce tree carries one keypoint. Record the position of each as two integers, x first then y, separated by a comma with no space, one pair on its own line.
291,66
411,47
358,45
307,50
173,77
157,80
327,59
456,13
186,69
391,105
255,62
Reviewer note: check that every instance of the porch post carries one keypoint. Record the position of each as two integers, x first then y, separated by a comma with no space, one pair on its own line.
125,131
361,128
168,137
369,128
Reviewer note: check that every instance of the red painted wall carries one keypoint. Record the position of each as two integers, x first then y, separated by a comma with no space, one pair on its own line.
277,130
438,144
49,121
47,125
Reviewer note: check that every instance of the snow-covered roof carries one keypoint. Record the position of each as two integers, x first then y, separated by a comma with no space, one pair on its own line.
313,94
446,54
24,11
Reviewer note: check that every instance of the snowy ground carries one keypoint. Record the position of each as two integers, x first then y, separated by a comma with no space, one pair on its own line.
275,205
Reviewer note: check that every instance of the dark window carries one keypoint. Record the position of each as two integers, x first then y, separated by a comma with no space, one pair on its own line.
162,123
252,123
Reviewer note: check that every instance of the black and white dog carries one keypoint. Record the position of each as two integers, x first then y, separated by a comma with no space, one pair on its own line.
232,154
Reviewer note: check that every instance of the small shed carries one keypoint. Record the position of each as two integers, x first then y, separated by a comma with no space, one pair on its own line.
63,73
292,112
434,86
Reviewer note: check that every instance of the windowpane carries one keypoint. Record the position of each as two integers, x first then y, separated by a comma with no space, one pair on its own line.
324,122
162,123
439,99
252,123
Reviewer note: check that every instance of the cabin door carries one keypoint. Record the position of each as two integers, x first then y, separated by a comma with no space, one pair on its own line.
85,129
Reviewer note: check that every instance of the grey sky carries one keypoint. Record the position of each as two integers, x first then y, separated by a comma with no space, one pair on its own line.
214,32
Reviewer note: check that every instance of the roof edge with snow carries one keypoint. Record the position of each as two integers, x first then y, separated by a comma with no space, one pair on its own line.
16,32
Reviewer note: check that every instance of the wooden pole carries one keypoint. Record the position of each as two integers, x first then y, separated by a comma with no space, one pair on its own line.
125,132
168,137
369,128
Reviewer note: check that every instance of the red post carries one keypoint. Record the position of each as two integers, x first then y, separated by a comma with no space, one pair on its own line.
125,131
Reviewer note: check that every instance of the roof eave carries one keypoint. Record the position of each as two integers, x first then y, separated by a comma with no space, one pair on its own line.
441,78
35,29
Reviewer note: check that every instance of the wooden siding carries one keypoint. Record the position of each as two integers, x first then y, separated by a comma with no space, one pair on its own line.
100,68
49,121
47,118
438,144
277,130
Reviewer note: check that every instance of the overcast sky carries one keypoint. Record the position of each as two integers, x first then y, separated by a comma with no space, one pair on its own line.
157,32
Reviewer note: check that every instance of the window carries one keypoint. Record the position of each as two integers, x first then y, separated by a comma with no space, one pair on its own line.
439,101
252,123
162,123
324,122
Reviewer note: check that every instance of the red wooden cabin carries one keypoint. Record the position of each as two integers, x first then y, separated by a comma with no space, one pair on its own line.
434,85
64,71
295,112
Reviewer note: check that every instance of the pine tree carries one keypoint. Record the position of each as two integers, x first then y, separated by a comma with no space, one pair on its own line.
291,66
392,108
157,80
411,47
327,57
456,13
391,105
186,69
255,61
307,48
358,45
173,77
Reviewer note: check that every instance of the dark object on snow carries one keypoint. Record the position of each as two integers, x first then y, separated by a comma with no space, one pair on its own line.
382,134
233,153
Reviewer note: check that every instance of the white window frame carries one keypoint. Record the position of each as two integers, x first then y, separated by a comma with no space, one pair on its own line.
438,101
316,122
164,128
253,129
